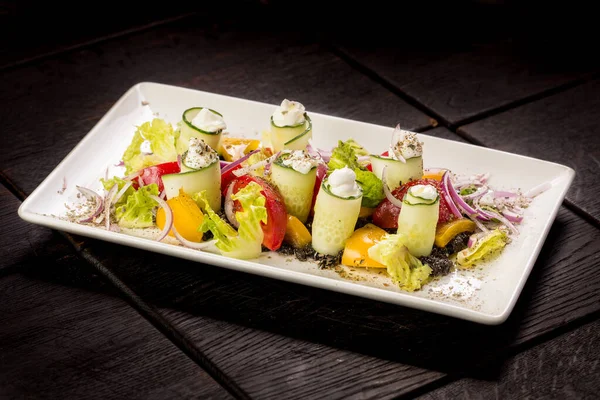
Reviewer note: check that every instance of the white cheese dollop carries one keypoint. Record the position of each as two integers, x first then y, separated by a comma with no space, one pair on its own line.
405,144
426,192
199,154
342,183
289,113
208,121
300,161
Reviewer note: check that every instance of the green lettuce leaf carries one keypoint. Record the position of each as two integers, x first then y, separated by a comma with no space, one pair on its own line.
345,155
406,270
246,242
486,246
137,210
108,184
162,138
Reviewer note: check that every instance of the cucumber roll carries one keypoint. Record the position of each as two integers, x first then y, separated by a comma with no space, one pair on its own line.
404,161
200,170
291,127
202,123
294,173
336,211
418,219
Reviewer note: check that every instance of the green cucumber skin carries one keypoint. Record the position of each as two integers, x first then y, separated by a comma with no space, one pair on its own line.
398,173
291,137
187,131
417,223
296,188
334,222
195,181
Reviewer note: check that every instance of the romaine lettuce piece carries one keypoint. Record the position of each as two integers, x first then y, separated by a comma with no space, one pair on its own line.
246,242
405,269
161,137
137,210
108,184
486,246
345,155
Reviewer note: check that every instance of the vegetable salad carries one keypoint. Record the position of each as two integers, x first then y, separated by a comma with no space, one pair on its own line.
346,205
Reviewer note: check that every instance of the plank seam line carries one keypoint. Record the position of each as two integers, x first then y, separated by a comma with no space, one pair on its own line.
511,351
91,42
376,77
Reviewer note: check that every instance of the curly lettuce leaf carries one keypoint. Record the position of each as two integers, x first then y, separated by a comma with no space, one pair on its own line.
162,138
115,180
345,155
486,246
405,269
246,242
137,210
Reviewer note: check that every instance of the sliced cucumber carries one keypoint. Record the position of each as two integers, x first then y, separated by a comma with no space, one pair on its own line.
417,223
294,137
192,182
334,221
295,187
398,173
189,130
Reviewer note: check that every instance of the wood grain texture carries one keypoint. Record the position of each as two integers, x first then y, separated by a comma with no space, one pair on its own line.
68,343
272,336
562,128
77,88
481,58
563,368
30,29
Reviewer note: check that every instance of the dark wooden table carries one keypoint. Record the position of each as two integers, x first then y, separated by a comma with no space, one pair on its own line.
80,318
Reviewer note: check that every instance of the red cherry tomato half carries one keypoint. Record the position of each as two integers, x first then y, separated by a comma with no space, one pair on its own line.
386,214
154,173
274,229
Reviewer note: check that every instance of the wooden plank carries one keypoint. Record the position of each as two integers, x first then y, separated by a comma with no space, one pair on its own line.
30,30
272,336
256,66
483,59
64,342
66,334
563,368
561,128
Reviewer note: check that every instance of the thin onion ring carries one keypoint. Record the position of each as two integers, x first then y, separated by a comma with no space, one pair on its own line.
91,195
387,191
168,217
190,244
108,200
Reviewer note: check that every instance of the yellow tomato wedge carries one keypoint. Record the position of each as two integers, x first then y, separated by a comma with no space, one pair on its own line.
434,175
233,148
187,217
296,233
366,212
447,231
356,250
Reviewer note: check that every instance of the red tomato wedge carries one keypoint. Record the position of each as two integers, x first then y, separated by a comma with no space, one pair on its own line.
274,229
386,214
154,173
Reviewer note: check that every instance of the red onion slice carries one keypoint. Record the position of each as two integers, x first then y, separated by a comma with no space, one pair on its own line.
193,245
234,164
179,161
447,195
168,218
539,189
500,193
470,211
387,191
140,181
121,192
512,216
476,194
224,164
133,176
505,221
108,201
92,196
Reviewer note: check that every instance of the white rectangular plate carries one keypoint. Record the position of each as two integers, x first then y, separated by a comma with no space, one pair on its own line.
485,295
